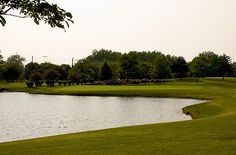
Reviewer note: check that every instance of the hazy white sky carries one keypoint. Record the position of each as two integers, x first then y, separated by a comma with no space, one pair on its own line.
176,27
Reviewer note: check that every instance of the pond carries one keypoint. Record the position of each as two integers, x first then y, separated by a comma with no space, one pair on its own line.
24,116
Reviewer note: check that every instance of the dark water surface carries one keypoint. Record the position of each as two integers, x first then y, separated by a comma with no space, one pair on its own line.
24,116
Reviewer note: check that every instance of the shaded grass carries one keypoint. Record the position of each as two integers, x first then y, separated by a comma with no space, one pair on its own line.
213,131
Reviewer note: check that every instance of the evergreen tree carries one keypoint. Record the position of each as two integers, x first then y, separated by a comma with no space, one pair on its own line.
106,72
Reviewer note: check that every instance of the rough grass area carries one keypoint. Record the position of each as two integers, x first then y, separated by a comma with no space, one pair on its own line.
213,130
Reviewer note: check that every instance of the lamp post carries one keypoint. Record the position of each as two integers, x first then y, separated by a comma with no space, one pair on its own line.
72,61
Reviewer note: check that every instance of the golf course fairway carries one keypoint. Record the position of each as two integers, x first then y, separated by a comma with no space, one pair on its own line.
212,130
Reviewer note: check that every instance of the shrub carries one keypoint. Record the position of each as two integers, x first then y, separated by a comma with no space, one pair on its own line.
59,82
29,84
64,83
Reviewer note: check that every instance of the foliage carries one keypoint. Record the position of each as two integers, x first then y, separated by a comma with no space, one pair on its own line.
29,84
162,67
104,55
204,64
209,64
63,70
14,67
88,71
46,66
129,66
146,70
39,10
179,67
1,67
51,74
74,77
234,69
30,68
106,72
59,82
109,65
224,65
1,59
36,77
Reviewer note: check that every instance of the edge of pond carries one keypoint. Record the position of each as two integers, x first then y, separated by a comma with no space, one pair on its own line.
205,100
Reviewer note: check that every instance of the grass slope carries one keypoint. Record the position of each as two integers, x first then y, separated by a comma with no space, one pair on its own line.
213,131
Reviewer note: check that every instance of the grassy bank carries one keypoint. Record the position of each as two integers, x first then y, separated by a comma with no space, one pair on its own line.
213,131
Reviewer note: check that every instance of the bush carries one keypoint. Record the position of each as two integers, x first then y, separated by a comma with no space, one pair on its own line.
29,84
64,83
59,82
50,83
69,83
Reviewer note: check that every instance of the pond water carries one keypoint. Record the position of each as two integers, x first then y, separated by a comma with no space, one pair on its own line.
24,116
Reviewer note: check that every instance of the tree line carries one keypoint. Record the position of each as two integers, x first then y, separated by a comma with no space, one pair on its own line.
109,67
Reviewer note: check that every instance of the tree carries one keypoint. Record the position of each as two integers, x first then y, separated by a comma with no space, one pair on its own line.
205,64
30,68
1,59
14,67
146,70
63,70
179,67
1,67
87,70
162,67
224,65
11,73
36,77
39,10
129,66
234,69
46,66
51,74
74,77
104,55
106,73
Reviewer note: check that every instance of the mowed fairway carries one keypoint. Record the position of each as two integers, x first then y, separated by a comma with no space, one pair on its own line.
213,130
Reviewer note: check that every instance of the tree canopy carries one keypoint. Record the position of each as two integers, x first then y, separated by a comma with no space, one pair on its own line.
38,10
108,67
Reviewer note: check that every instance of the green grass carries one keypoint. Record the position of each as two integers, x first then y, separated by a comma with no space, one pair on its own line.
213,130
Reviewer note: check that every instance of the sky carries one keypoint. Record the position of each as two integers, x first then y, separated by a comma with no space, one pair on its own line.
175,27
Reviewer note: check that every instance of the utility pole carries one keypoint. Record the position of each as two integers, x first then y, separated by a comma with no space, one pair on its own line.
32,59
72,62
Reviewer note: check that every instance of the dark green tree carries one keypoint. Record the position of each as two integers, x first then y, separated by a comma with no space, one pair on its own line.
64,71
106,72
129,66
100,56
225,65
162,67
1,59
46,66
30,68
1,67
205,65
38,10
146,70
14,67
87,70
179,67
36,77
234,69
